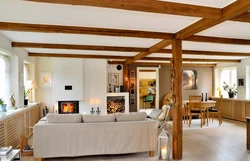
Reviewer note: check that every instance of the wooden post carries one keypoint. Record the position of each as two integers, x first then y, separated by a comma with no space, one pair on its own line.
125,77
248,133
177,92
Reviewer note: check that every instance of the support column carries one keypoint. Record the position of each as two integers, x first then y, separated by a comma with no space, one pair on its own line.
177,91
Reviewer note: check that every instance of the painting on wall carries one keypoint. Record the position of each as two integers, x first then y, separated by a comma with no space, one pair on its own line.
241,82
45,79
113,79
189,79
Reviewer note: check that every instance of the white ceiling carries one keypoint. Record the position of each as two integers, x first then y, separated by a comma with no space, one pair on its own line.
208,3
54,14
43,13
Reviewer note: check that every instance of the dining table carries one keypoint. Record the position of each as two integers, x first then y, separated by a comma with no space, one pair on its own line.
205,105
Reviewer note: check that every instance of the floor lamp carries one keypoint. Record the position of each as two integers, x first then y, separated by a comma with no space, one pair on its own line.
32,85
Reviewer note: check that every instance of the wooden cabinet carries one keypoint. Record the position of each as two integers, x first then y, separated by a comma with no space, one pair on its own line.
234,109
13,128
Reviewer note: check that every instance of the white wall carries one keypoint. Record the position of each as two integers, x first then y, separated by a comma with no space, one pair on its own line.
112,69
16,56
44,95
93,82
94,85
147,75
67,71
241,73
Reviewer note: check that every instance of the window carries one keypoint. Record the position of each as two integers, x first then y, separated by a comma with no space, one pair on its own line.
228,75
25,75
4,75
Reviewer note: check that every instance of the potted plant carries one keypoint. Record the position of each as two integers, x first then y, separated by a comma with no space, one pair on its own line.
26,93
2,105
232,91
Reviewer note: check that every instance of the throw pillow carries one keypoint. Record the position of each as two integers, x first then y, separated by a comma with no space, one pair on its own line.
133,116
155,113
98,118
162,116
64,118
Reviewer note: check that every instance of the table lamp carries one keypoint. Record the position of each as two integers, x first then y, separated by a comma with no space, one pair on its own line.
32,85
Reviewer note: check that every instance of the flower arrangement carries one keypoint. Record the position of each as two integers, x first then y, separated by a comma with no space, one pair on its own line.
2,101
232,91
26,93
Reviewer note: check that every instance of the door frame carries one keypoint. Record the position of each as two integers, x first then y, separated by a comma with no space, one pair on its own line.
157,85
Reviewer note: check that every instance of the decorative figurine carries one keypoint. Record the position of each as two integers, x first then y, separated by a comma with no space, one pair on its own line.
98,111
92,111
12,100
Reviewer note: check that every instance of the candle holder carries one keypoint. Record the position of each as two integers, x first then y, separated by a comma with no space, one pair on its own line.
98,111
164,145
92,111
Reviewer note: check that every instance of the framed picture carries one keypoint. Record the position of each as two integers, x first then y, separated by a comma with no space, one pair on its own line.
113,78
45,79
189,79
241,82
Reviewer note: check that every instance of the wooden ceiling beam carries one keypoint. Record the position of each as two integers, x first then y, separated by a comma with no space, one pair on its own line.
152,49
57,55
121,49
192,60
146,6
218,40
78,47
124,57
162,64
9,26
243,18
231,11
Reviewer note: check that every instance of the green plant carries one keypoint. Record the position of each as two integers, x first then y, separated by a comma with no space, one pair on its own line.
1,101
26,92
231,90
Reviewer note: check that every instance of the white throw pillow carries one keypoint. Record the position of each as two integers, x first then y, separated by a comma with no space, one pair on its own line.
64,118
133,116
98,118
155,113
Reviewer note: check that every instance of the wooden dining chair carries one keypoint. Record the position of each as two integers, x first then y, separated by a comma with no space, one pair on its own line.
195,108
216,111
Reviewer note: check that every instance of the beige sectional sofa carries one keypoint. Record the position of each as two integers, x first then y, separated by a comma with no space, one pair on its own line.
70,135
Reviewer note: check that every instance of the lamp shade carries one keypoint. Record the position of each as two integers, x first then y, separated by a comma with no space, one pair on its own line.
32,84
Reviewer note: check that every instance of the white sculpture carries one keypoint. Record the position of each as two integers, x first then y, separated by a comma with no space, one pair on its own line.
12,100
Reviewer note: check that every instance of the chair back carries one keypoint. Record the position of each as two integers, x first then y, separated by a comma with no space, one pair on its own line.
220,102
195,103
149,98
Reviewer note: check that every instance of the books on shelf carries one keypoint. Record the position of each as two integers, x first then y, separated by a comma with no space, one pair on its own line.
4,151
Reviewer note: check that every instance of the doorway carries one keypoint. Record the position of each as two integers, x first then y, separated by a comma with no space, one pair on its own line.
148,91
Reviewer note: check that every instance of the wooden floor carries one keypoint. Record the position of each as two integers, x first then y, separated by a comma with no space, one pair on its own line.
226,143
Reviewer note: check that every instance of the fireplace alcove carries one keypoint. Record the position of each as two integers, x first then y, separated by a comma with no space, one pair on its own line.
67,107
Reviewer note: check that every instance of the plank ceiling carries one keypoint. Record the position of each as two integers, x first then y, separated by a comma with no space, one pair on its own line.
127,46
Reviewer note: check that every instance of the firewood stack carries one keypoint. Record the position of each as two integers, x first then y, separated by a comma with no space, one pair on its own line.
115,106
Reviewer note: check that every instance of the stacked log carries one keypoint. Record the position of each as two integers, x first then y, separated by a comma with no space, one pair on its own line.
115,106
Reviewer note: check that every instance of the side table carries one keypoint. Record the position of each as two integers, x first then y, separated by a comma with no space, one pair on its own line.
13,155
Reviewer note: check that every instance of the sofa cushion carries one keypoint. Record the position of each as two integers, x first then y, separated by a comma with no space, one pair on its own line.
133,116
98,118
155,113
162,116
64,118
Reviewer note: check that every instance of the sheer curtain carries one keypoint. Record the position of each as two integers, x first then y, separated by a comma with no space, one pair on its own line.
4,81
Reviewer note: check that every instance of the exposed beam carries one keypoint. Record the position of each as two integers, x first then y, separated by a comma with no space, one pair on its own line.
119,48
124,57
78,47
192,60
218,40
163,64
57,55
152,49
146,6
243,18
233,10
8,26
